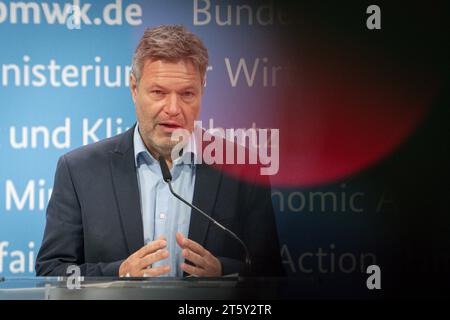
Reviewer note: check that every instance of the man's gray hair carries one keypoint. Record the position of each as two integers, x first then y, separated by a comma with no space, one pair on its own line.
170,43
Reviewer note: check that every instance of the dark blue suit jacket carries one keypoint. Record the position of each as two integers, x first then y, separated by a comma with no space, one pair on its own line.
94,216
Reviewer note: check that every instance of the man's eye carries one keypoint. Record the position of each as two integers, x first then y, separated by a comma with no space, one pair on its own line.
157,92
188,94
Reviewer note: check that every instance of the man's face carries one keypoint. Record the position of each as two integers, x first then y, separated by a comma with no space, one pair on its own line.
167,98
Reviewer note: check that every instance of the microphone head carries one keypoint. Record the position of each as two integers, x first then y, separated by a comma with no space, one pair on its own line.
167,177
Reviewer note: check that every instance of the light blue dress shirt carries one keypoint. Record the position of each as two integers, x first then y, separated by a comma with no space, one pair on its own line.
162,213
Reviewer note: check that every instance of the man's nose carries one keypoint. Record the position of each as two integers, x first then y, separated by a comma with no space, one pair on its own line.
172,105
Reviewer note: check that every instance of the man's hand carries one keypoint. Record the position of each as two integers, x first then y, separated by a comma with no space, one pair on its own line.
137,264
205,264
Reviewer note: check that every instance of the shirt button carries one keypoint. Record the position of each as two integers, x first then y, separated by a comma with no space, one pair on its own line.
162,215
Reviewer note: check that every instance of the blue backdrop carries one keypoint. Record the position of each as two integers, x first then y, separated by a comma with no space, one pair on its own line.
64,83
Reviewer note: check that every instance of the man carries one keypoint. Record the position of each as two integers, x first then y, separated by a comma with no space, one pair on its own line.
112,214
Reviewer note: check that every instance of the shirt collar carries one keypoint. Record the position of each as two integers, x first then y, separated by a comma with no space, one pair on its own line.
141,154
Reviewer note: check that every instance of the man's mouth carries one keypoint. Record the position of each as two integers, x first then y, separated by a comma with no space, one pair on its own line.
170,126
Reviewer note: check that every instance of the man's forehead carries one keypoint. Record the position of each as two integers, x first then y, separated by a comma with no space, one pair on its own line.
183,69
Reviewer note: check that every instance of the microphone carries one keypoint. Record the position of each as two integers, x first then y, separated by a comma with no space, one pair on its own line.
167,177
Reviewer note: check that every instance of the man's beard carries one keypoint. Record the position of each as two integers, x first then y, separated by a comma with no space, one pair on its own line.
164,148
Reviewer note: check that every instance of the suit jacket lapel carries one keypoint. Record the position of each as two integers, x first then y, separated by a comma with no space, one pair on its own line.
126,189
207,181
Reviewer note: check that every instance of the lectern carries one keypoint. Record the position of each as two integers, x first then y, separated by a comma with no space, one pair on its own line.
50,288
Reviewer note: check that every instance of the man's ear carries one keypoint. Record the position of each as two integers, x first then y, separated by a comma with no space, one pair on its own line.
133,87
202,87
